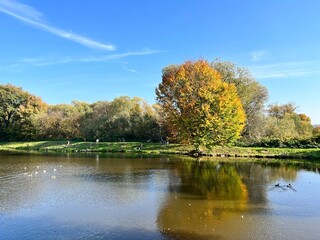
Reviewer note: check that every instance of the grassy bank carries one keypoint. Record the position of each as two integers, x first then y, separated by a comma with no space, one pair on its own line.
156,148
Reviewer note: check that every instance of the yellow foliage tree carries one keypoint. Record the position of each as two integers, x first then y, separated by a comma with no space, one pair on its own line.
198,106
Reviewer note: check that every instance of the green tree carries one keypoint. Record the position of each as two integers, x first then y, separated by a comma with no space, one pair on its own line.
283,128
124,118
17,110
200,108
303,125
284,123
252,94
94,123
63,121
279,111
82,111
316,131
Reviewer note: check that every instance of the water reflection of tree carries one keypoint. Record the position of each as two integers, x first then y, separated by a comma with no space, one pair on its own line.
211,180
209,197
259,177
203,194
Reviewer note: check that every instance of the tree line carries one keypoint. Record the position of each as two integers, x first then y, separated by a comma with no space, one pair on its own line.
26,117
199,103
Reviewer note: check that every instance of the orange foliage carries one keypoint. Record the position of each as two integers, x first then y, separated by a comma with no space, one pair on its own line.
202,108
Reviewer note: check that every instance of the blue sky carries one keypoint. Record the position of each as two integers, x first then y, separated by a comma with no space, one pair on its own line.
99,49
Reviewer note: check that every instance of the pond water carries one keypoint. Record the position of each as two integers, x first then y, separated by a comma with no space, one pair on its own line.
92,196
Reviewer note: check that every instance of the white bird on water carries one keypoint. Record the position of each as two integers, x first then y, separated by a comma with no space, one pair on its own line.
54,169
44,171
38,167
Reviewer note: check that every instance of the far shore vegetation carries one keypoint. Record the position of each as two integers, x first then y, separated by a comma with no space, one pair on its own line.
202,109
161,149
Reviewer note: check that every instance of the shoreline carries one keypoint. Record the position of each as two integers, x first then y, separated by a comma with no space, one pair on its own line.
160,149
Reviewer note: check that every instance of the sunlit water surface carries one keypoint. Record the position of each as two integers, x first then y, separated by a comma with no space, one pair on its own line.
117,197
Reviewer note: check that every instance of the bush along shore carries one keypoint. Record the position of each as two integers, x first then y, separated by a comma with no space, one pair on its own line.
158,148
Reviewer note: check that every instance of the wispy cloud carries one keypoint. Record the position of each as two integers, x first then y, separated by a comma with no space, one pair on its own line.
54,60
129,69
106,58
10,67
286,69
258,55
31,16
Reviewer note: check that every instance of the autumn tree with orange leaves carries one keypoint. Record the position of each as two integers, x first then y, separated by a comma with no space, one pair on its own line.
198,106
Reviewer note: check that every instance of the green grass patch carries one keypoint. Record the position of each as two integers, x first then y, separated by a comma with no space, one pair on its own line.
157,148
